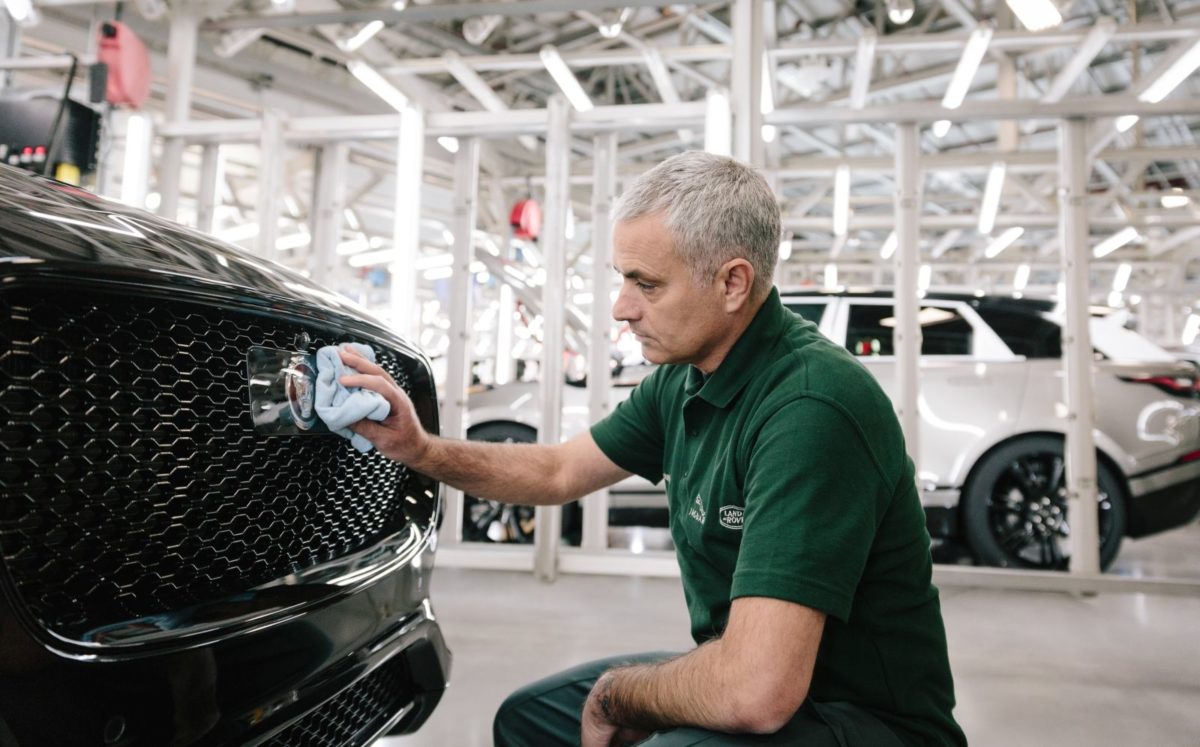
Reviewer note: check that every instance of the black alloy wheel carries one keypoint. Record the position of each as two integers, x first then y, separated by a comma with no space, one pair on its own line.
1015,507
493,521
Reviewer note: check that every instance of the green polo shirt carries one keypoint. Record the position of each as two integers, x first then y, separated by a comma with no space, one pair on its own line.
787,477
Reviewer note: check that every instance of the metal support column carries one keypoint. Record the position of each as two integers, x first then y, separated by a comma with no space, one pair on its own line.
746,81
206,192
326,213
458,357
406,231
907,334
554,302
604,192
181,65
10,46
135,166
271,153
1077,348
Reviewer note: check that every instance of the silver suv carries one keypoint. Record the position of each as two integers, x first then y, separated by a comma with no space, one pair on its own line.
992,424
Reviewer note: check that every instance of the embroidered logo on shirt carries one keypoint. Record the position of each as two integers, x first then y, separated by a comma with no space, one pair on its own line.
697,511
732,517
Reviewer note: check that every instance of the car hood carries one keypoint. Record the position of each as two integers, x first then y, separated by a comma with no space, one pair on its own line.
50,227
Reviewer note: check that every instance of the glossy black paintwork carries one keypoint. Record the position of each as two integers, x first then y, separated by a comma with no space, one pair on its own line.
244,682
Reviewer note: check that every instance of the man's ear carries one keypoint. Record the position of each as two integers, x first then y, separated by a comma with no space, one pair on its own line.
737,276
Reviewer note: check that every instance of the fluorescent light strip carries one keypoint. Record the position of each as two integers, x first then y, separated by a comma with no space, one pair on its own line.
1036,15
364,35
566,80
864,63
1179,70
1126,122
841,200
1021,279
1095,40
831,276
1003,241
1176,199
449,143
1190,329
968,65
991,198
1115,242
1121,279
940,128
378,85
889,245
924,277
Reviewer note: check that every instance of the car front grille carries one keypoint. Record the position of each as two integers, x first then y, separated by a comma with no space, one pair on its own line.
134,483
353,716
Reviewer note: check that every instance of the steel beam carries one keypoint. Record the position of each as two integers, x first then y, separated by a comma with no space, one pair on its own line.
422,13
907,333
327,213
884,221
410,157
271,155
181,67
458,357
554,300
206,191
746,81
1077,350
604,193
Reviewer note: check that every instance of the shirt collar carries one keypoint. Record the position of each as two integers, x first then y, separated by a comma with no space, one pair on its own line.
748,355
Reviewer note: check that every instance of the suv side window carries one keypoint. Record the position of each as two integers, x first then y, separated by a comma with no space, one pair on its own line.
943,331
1025,334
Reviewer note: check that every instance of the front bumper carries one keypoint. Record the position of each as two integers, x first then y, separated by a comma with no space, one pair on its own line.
349,671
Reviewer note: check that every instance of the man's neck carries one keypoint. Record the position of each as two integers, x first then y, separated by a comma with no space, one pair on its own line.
739,323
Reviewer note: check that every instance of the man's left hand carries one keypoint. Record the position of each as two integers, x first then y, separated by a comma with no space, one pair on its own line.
597,730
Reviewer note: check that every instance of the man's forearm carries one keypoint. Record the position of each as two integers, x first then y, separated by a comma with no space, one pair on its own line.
697,689
513,473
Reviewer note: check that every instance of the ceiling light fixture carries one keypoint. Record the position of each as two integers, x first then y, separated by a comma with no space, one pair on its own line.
22,11
831,276
1178,71
1115,242
1121,279
1003,241
924,277
900,12
364,35
1036,15
449,143
1175,199
566,80
940,128
1021,279
991,198
378,85
1126,122
968,65
889,246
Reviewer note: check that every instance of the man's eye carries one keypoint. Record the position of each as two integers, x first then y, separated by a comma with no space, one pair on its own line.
645,286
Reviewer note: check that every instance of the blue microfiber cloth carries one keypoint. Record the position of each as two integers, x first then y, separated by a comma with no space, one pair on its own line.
340,407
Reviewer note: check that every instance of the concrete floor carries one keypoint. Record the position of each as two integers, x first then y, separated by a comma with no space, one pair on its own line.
1030,668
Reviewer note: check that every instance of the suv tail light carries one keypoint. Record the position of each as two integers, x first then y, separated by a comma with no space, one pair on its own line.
1179,386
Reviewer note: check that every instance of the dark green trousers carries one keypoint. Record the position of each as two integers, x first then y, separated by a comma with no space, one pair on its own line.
547,714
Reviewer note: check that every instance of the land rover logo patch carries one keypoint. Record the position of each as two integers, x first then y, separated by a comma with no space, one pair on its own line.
732,517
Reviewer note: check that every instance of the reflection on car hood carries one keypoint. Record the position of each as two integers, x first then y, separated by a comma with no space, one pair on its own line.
43,221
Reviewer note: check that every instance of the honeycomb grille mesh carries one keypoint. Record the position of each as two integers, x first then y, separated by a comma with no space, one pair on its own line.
133,481
354,715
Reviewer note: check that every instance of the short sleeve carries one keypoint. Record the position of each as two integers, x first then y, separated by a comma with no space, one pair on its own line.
815,496
632,436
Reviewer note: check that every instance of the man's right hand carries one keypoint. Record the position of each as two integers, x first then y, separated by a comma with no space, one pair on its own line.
400,436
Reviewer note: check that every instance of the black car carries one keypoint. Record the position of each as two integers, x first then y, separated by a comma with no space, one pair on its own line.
174,571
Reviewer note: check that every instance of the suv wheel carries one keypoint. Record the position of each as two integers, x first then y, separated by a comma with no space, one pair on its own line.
1015,507
493,521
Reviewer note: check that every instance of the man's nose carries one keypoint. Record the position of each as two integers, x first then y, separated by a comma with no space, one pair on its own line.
623,309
